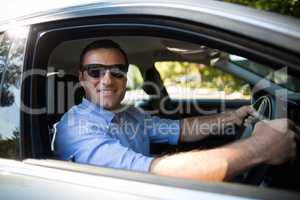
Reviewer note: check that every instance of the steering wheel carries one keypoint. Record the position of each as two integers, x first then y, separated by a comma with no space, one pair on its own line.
263,106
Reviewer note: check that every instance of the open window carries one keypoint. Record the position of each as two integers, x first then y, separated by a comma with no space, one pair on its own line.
193,54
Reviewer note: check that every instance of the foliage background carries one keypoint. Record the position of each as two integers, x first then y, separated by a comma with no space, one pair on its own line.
285,7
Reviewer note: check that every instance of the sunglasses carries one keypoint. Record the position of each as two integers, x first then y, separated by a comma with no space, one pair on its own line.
99,70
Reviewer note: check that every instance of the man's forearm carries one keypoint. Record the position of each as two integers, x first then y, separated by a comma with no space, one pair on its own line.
213,165
197,128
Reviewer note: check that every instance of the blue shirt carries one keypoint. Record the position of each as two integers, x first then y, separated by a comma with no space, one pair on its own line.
89,134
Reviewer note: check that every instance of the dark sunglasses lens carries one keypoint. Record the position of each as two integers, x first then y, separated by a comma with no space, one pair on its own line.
117,74
95,73
122,68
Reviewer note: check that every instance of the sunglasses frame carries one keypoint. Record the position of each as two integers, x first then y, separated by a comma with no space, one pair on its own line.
117,70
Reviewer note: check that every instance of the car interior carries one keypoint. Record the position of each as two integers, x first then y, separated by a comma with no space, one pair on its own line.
62,91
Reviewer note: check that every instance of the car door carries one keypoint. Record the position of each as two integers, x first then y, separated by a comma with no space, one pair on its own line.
47,35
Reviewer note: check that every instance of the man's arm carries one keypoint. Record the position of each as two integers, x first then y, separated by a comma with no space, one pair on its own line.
197,128
272,142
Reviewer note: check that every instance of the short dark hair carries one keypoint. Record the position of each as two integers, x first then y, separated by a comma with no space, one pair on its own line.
102,44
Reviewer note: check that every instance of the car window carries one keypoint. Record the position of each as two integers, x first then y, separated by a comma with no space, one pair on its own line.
134,93
186,80
12,55
4,47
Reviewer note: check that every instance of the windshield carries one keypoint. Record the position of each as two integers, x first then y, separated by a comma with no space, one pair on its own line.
279,76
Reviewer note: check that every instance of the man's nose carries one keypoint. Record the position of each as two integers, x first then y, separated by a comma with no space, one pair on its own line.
107,79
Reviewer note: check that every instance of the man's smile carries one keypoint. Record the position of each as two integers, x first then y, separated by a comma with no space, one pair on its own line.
106,92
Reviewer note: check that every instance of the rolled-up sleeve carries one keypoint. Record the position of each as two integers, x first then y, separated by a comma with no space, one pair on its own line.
162,130
108,152
90,145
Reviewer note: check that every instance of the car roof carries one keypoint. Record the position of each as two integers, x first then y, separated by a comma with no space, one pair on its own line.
262,26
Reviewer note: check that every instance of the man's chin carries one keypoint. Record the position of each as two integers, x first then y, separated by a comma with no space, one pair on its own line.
109,106
105,105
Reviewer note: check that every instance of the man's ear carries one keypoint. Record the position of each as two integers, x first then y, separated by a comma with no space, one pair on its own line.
81,78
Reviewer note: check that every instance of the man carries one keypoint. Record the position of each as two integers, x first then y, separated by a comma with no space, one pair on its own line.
100,132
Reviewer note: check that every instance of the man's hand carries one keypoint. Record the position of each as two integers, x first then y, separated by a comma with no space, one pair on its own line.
276,140
241,113
196,128
272,142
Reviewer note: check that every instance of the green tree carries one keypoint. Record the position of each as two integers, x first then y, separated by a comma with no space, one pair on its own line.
9,146
285,7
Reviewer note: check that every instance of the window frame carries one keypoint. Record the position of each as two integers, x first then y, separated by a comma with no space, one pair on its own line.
49,34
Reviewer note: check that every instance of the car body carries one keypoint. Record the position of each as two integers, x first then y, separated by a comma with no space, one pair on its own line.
41,50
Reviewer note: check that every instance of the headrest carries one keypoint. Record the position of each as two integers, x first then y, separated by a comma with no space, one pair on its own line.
64,91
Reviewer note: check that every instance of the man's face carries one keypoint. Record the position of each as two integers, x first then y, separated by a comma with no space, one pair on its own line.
106,91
